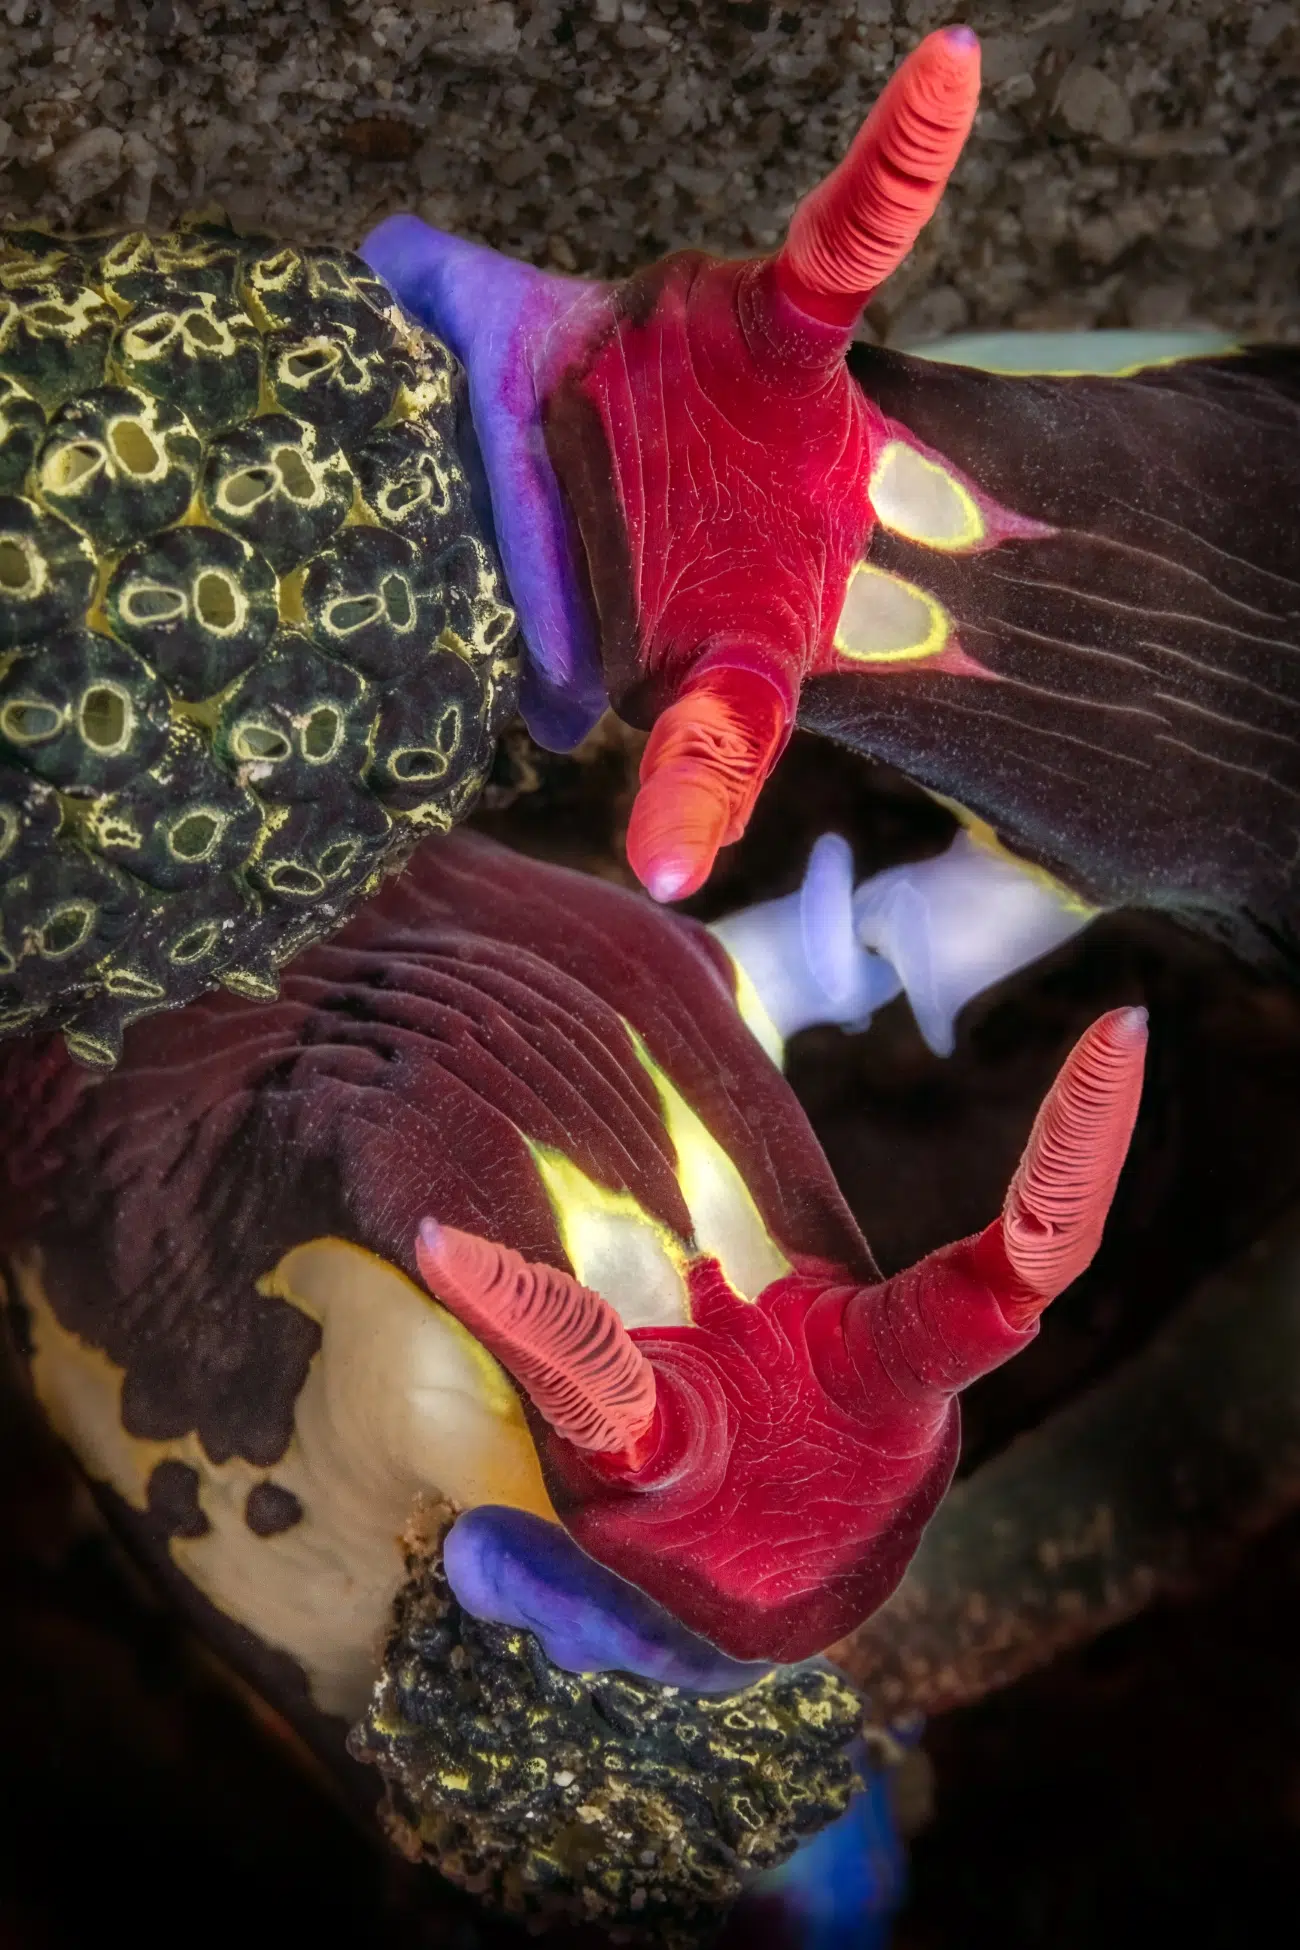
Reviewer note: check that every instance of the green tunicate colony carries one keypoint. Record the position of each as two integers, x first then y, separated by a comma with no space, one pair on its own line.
253,641
599,1798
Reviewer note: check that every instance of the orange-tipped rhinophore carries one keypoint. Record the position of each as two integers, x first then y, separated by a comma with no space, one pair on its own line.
852,231
565,1344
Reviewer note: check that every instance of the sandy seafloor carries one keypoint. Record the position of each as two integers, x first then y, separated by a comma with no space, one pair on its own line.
1135,163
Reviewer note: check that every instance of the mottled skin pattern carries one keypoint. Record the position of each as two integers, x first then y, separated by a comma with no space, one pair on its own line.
481,1002
253,641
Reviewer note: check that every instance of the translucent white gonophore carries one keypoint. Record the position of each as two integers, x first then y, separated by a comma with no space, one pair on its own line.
952,926
802,954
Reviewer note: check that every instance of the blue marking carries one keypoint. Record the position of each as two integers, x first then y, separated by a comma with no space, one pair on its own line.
516,1569
498,316
839,1891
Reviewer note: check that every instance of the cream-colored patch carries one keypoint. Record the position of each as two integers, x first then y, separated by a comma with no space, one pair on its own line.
400,1404
921,500
728,1224
615,1246
886,620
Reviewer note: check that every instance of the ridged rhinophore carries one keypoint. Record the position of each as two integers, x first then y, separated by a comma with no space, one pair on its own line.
253,641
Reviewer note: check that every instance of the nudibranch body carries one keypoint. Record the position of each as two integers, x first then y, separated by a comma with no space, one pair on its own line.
502,1204
1054,582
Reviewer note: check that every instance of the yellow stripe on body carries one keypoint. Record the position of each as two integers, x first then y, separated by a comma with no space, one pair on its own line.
983,835
633,1259
728,1224
749,1004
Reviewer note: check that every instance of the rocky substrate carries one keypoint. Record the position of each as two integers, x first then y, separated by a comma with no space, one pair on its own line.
1135,163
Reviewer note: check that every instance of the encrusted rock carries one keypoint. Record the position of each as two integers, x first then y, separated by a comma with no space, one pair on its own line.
600,1798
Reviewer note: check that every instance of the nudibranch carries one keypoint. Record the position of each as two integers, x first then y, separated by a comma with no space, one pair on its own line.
501,1208
1054,581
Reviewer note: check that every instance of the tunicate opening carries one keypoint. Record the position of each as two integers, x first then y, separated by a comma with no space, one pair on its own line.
276,266
51,315
133,449
402,496
146,603
157,329
261,741
71,467
194,944
416,766
216,602
65,930
15,568
337,858
246,488
448,733
353,613
396,592
305,365
287,877
295,474
195,834
8,829
438,486
106,718
204,331
28,721
321,733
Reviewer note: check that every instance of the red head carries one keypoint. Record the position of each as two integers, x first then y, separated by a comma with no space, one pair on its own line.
766,1472
716,457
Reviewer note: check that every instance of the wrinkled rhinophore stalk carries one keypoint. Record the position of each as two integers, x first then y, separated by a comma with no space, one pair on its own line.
1141,1489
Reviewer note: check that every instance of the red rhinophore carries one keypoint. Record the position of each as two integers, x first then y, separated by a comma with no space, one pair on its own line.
1058,1200
799,1443
564,1343
853,230
715,455
701,772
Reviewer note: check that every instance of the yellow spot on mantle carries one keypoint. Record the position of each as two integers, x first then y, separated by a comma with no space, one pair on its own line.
757,1021
920,500
887,620
728,1224
614,1245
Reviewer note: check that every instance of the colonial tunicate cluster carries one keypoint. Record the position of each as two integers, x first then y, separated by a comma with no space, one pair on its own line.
253,639
594,1797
